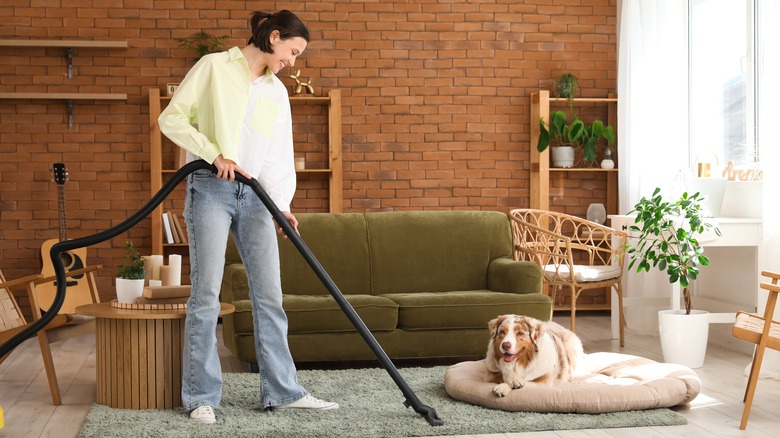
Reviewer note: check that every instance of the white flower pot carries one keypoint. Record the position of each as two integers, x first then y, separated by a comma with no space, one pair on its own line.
128,291
684,337
562,156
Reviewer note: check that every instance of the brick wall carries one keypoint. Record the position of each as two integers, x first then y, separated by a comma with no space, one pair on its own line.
435,103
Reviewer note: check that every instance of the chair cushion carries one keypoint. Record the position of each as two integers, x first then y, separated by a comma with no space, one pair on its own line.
582,273
603,382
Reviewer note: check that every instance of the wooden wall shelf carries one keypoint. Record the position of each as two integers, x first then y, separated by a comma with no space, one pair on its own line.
68,45
64,43
65,96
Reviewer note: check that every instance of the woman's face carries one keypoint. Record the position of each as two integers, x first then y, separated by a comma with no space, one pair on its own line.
285,51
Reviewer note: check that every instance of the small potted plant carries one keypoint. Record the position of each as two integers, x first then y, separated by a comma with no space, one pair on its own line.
130,276
568,86
590,137
203,43
565,137
666,233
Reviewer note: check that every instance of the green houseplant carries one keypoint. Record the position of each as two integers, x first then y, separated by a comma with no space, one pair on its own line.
665,233
577,134
133,267
666,238
568,86
203,43
130,276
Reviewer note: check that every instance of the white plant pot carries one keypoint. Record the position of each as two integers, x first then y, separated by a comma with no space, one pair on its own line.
562,156
128,291
684,337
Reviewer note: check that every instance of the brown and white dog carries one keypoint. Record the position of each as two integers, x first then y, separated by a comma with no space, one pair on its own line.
524,349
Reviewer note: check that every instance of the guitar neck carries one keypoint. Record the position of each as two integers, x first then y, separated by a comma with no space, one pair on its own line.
63,220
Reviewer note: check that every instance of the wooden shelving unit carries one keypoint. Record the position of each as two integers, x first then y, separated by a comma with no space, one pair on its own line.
541,171
159,170
540,162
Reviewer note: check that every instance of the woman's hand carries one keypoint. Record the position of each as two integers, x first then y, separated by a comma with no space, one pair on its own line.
226,169
293,222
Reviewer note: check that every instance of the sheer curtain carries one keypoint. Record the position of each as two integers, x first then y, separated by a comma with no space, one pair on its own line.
653,115
653,131
769,71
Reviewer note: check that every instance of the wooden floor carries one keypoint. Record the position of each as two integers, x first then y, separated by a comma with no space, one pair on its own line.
24,394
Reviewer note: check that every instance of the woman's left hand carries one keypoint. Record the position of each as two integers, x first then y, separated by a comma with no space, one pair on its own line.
293,221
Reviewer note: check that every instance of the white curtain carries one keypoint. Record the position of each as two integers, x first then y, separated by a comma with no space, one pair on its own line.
653,121
653,129
769,71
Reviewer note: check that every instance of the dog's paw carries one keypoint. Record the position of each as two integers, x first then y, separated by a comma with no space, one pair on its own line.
515,382
501,390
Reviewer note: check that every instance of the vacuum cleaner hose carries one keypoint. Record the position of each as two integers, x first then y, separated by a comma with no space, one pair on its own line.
67,245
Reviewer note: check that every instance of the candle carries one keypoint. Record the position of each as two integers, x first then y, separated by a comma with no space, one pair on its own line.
174,261
156,262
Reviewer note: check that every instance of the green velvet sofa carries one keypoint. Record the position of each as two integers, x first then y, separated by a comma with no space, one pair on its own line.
425,283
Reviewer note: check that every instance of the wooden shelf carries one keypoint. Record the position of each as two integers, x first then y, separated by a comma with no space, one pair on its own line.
540,161
333,172
64,43
69,45
585,99
65,96
581,169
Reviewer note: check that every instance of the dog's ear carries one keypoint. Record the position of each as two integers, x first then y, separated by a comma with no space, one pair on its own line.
494,323
537,330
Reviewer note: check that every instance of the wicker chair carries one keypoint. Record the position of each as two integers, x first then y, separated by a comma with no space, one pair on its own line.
764,332
62,326
563,244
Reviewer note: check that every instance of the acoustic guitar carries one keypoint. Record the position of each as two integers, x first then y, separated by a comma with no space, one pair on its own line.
77,292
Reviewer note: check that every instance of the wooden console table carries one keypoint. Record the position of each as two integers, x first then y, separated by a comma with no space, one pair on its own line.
138,355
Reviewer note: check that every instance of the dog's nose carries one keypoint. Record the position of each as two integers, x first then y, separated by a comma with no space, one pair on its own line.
506,345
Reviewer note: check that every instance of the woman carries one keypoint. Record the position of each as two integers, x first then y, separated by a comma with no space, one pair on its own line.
231,110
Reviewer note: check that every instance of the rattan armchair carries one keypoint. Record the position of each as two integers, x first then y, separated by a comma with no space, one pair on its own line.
573,252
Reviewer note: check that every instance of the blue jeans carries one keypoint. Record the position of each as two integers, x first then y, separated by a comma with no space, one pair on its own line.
214,207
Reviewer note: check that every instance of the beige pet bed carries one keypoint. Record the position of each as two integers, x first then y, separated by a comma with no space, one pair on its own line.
603,382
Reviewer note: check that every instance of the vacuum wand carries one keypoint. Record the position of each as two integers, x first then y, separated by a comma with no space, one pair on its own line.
346,307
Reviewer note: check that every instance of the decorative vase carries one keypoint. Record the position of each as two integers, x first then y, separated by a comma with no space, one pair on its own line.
597,213
128,291
607,162
684,337
562,156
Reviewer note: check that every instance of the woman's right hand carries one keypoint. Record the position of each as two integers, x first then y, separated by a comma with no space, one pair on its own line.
226,169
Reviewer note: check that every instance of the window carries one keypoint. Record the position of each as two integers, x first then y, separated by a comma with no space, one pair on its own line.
722,80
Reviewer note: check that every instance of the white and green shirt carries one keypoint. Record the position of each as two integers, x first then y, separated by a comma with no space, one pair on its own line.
217,110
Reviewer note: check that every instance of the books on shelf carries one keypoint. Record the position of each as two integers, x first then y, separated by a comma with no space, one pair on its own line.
167,228
174,232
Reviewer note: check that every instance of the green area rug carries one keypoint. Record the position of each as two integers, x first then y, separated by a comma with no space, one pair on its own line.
371,405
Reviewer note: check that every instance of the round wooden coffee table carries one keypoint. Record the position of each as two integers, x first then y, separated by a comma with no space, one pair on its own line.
138,355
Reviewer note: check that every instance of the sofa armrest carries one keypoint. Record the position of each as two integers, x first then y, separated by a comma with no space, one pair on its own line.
520,277
234,284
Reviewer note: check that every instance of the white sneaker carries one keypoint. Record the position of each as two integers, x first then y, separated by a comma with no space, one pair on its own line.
309,402
203,415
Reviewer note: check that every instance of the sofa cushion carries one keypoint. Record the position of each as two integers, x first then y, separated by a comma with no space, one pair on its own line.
435,251
340,244
463,309
320,313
